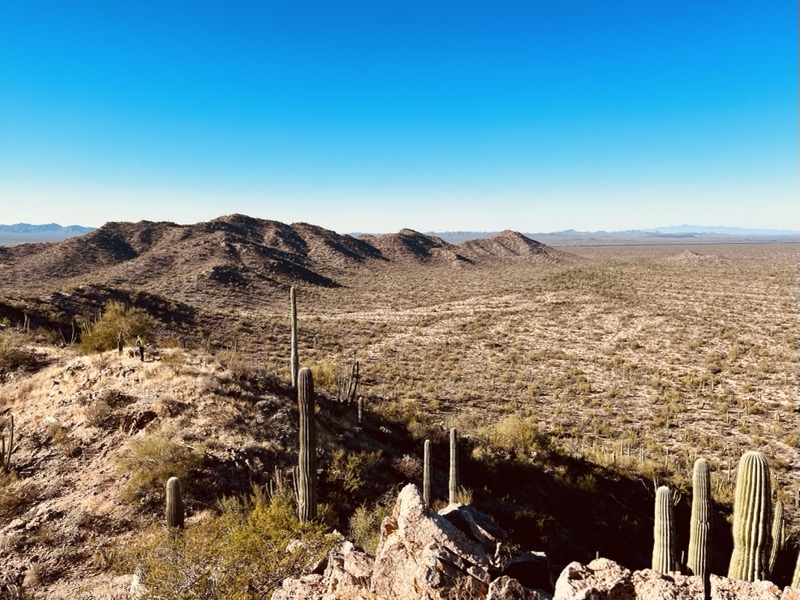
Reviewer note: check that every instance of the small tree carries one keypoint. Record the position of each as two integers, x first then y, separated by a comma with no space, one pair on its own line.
117,321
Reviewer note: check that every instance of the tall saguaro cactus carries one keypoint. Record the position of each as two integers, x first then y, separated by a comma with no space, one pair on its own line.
453,481
796,576
175,508
307,471
295,361
426,473
700,527
664,533
752,519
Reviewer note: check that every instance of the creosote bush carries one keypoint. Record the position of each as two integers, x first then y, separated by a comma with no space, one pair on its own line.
244,552
101,334
151,460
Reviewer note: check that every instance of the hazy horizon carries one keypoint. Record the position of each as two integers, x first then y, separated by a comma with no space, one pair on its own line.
432,116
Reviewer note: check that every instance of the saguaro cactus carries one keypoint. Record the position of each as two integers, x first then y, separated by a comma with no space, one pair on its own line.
796,577
295,361
777,537
664,533
752,519
307,471
426,473
453,483
175,509
700,527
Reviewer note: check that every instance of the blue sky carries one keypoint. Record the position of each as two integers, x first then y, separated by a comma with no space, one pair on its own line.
370,116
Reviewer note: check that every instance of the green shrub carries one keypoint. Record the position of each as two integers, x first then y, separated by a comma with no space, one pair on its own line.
244,552
365,526
103,334
151,460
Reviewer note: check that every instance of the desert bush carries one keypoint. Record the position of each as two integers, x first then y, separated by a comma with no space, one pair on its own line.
151,460
13,353
244,552
103,333
348,470
365,526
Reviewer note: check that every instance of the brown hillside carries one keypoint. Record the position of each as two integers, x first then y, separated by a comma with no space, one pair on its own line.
512,246
409,246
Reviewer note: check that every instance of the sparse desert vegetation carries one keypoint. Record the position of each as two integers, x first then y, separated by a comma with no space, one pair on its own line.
579,381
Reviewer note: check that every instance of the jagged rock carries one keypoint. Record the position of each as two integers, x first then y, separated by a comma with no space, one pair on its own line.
603,579
346,575
422,554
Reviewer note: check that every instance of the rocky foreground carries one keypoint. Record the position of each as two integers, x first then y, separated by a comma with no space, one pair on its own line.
459,553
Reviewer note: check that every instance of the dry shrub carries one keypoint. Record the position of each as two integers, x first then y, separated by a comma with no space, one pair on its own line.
151,460
13,353
244,552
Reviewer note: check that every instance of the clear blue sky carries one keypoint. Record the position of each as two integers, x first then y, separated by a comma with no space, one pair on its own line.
531,115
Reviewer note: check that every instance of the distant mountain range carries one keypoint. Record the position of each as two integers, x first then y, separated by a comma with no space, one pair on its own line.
19,233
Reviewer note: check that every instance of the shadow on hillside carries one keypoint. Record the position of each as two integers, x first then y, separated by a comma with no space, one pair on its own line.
569,508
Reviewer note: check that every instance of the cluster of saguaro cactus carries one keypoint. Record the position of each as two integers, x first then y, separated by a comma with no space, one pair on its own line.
752,519
664,533
175,510
294,359
307,468
453,480
700,527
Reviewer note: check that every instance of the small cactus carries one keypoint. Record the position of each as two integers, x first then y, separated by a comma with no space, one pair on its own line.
6,450
700,528
453,482
307,467
175,509
664,533
426,473
752,519
796,577
294,360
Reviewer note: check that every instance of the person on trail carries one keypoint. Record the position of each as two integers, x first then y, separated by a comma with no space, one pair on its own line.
140,346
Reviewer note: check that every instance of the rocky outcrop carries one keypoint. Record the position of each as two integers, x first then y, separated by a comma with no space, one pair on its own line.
459,553
603,579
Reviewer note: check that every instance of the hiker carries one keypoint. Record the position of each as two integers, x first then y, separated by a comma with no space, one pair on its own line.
140,346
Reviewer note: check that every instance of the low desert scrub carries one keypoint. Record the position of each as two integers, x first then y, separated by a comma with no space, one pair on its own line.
244,552
13,351
364,527
152,459
116,322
